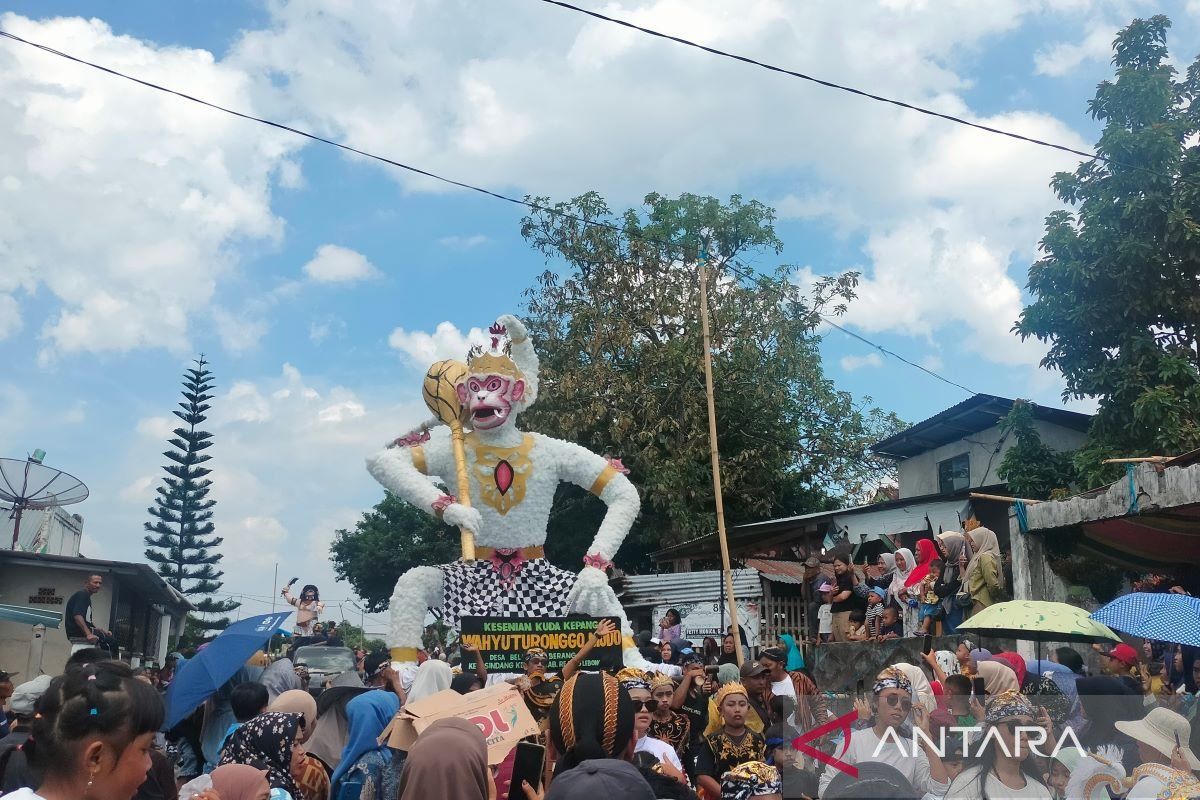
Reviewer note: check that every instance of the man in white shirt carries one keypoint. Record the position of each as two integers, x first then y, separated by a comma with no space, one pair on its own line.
891,703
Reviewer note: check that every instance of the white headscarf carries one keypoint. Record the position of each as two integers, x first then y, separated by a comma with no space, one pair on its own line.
922,692
432,677
901,575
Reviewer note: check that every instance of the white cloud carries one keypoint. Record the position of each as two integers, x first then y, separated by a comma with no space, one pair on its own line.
140,490
463,242
334,264
156,189
238,333
264,535
158,428
1060,58
852,363
422,349
322,329
10,316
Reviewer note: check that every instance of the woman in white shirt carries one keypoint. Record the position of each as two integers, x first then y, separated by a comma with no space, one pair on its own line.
1004,768
636,683
883,742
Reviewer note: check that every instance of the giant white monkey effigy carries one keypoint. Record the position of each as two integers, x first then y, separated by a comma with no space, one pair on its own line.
512,476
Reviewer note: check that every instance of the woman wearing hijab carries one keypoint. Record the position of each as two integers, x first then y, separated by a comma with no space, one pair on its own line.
432,677
309,773
449,759
885,566
927,553
270,740
955,552
795,656
241,782
364,760
905,565
1015,663
998,677
280,677
922,692
984,575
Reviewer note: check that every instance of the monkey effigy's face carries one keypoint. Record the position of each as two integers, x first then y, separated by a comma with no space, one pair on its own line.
490,399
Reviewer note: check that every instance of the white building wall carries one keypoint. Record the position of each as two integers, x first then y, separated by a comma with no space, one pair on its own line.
919,474
52,586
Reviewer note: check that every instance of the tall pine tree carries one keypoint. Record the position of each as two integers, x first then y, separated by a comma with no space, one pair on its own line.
182,544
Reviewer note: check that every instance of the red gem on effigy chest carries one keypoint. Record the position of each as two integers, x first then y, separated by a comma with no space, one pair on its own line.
504,476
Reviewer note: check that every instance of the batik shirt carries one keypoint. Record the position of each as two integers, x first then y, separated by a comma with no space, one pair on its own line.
675,731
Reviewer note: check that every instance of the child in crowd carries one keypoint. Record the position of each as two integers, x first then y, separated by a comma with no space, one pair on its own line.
825,614
875,600
891,627
858,626
931,604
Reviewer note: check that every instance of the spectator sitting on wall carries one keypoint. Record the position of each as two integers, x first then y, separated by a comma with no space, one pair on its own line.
79,617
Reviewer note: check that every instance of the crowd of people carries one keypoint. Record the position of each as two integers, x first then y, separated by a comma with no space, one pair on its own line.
951,576
693,721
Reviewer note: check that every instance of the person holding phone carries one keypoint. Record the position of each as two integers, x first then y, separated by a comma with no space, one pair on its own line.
889,708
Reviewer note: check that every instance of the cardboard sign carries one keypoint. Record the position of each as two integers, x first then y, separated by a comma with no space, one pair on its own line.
502,641
499,712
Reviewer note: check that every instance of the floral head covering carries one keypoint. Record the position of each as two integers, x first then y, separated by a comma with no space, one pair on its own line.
633,678
1042,691
892,678
752,779
1007,705
266,742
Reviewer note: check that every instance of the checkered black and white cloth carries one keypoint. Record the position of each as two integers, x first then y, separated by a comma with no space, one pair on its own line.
473,589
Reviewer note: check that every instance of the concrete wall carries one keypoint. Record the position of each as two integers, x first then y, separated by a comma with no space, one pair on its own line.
919,474
54,584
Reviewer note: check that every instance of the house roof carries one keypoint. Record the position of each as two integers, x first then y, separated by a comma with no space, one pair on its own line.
686,587
145,578
859,524
970,416
778,571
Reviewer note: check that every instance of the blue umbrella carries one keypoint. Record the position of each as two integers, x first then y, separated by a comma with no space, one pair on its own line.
217,663
1161,616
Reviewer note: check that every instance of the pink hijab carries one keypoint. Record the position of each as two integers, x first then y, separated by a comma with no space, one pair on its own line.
239,781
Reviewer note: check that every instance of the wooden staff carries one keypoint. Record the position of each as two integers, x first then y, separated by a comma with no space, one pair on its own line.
465,537
1001,498
716,463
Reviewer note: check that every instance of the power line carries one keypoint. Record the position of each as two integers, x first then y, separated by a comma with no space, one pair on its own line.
844,88
451,181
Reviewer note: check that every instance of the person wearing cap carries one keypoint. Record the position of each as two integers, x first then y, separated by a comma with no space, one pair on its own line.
733,744
797,781
1122,662
810,705
15,770
1163,737
888,709
825,614
754,678
602,779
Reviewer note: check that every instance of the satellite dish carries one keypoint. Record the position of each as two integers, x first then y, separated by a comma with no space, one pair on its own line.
31,485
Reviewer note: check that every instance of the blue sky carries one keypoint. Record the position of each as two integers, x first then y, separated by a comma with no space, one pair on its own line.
137,230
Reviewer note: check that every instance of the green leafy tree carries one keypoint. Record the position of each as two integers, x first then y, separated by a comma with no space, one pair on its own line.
1117,293
388,540
619,340
1030,468
181,542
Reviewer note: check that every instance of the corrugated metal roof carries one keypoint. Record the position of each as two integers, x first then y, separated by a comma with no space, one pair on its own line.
865,527
688,587
778,571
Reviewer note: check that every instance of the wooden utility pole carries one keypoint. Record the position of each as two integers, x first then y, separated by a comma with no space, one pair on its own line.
716,462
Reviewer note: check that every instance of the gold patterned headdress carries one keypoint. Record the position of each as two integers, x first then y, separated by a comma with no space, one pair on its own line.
659,679
492,363
728,689
633,678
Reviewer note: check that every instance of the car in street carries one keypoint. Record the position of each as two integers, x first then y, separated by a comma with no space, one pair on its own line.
324,663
